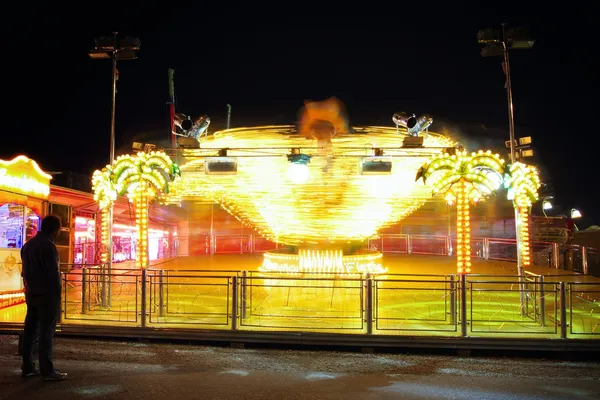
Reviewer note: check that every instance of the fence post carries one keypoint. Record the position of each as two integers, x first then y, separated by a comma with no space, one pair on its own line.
234,302
555,255
143,300
542,301
452,300
369,303
103,288
244,295
109,275
161,293
486,248
84,290
563,310
569,259
408,244
60,303
584,260
524,295
463,305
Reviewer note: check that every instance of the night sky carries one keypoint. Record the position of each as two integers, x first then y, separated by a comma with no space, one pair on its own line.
266,61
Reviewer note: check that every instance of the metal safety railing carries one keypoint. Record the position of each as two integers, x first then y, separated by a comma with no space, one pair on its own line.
190,297
561,256
544,253
394,304
87,298
570,257
495,305
415,303
88,252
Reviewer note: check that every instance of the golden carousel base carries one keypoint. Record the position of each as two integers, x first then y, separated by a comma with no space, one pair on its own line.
317,261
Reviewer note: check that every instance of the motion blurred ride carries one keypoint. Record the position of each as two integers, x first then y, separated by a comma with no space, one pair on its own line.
323,120
320,190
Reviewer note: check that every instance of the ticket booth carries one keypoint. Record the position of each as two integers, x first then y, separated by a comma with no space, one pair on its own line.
24,190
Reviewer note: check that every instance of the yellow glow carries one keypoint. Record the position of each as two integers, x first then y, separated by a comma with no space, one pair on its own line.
11,299
524,181
298,174
465,178
24,176
323,261
140,196
327,201
105,193
142,177
463,230
11,295
104,234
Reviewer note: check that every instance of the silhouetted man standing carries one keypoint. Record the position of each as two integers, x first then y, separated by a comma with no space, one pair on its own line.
41,277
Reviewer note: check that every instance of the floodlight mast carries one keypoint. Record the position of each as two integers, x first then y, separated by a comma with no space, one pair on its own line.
116,49
499,42
511,116
513,38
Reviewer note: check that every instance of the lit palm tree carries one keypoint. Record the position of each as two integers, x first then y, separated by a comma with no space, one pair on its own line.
523,183
143,177
105,195
463,177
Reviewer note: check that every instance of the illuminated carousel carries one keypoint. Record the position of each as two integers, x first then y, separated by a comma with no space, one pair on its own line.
321,189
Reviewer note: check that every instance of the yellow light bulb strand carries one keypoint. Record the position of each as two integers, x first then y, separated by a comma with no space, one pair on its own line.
104,242
525,237
525,182
142,177
141,210
460,229
460,177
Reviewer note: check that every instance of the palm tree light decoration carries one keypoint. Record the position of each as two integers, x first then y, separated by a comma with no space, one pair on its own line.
142,177
105,195
463,177
522,182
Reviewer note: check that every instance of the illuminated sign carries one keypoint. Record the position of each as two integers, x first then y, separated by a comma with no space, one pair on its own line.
13,298
24,176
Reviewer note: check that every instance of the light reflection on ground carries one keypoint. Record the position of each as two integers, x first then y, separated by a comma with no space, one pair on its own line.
191,300
236,372
432,391
313,376
98,390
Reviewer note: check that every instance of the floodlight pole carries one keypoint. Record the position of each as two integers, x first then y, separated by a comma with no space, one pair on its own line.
505,41
112,51
511,128
112,159
511,118
114,99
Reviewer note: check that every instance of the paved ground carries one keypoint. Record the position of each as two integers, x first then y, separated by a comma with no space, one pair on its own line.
119,370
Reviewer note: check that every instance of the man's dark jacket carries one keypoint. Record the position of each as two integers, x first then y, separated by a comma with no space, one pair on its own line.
41,266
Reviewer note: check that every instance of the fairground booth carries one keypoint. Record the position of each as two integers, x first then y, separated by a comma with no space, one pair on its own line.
26,196
24,191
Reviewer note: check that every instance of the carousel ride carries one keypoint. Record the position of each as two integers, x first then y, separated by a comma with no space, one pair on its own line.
320,189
